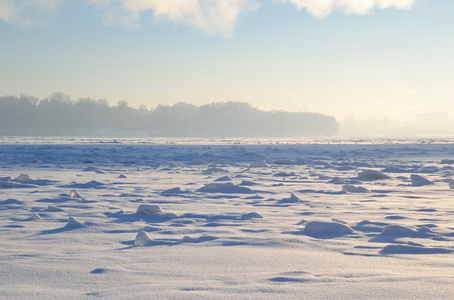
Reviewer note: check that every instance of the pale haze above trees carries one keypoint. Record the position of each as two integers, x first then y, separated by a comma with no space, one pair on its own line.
58,115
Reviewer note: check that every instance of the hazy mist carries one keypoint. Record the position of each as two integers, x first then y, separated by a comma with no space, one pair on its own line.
60,115
437,124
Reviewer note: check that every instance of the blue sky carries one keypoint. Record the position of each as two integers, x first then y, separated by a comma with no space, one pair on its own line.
387,58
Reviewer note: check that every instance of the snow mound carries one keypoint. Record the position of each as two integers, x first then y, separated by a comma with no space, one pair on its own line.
169,216
34,217
73,222
337,180
293,198
447,161
224,178
247,182
148,209
326,230
398,230
336,220
198,161
53,208
93,169
394,169
22,178
215,170
301,161
259,164
373,174
417,180
173,191
227,187
368,226
283,161
392,232
89,185
142,239
188,239
354,189
252,215
11,201
284,174
75,194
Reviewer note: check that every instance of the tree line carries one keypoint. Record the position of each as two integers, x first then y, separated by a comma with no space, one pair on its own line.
58,115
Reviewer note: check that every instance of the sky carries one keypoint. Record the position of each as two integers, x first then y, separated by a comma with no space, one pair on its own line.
360,58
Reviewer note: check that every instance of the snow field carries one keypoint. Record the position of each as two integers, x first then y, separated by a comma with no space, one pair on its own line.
122,220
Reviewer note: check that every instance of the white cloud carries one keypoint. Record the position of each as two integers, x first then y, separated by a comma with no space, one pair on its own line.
322,8
6,10
26,13
211,16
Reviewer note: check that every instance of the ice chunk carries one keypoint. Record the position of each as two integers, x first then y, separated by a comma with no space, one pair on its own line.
34,217
142,239
293,198
75,194
148,209
22,178
417,180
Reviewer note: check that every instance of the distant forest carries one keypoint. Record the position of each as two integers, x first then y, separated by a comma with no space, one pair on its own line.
59,115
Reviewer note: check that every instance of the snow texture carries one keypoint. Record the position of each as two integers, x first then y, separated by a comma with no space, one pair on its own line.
139,218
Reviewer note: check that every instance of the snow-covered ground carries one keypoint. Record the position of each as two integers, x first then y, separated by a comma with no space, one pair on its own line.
236,219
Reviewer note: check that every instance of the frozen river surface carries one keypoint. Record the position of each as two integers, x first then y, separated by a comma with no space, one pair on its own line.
226,219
